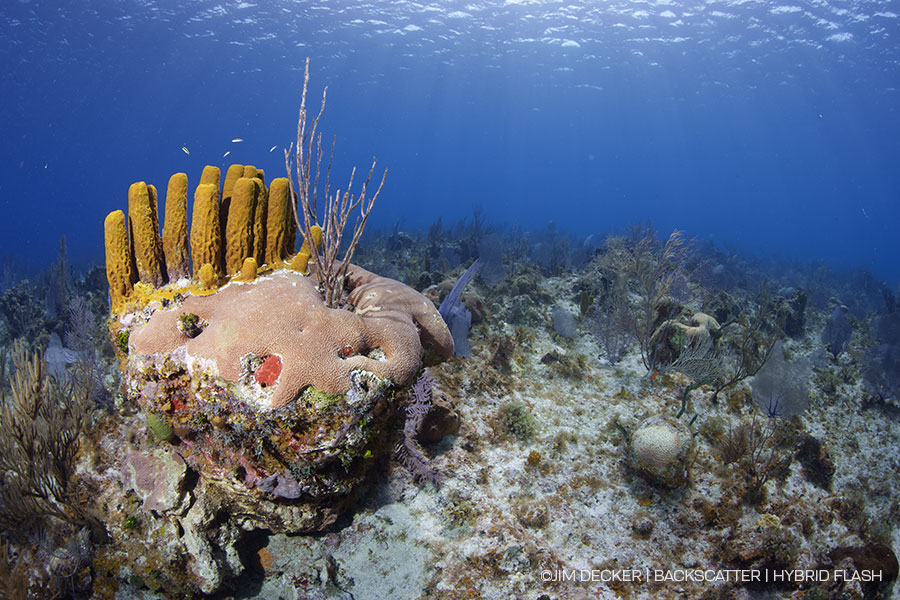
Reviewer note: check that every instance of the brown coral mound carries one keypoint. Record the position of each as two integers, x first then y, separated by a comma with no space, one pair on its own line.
383,327
283,314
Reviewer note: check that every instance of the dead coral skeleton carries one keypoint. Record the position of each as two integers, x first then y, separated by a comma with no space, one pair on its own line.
299,158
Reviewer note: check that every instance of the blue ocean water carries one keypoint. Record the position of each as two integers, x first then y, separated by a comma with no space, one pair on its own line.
768,127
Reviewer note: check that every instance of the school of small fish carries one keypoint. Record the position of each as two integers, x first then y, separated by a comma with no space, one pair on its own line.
233,141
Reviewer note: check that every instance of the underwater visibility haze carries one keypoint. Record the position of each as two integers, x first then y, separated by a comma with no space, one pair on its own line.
769,127
621,320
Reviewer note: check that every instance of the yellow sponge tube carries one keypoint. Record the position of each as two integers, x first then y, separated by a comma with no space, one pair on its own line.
239,228
175,230
148,251
118,259
206,238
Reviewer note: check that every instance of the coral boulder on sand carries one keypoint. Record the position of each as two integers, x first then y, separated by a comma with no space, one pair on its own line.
280,403
660,450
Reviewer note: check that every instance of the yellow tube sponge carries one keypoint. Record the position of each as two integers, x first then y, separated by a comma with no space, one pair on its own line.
148,251
175,230
206,238
239,227
211,175
316,233
300,262
260,219
233,173
207,277
248,270
280,224
118,259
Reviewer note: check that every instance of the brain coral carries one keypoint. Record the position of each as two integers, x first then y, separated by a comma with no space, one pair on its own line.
660,449
283,314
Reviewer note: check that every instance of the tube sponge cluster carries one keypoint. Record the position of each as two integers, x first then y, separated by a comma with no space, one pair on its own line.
257,300
244,220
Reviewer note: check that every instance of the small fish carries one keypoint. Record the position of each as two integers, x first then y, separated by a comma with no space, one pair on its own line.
865,214
272,148
226,154
236,140
185,150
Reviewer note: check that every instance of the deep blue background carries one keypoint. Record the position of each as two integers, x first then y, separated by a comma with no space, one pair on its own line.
772,129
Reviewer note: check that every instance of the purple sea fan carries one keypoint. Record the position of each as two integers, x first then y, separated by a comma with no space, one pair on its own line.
838,331
408,451
456,315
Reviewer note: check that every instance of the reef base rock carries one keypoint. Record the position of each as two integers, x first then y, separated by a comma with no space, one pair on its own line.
292,469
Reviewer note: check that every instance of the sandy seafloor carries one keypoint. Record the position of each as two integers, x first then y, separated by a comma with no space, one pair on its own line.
510,513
